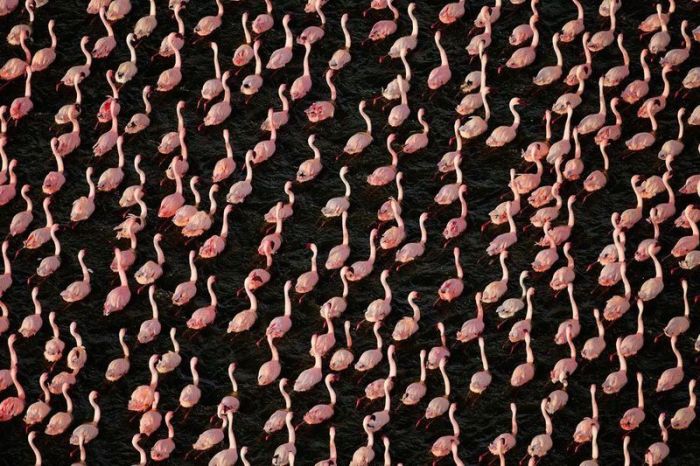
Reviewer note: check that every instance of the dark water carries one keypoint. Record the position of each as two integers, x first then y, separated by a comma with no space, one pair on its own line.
486,173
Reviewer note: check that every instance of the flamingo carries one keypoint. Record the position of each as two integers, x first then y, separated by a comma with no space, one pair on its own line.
204,316
502,135
119,367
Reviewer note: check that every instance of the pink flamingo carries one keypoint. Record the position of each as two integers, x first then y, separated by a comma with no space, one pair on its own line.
308,378
502,242
77,73
597,179
394,236
306,282
245,319
523,32
451,12
215,244
676,57
581,71
270,370
674,147
639,88
264,21
385,27
339,253
342,57
687,244
524,373
119,367
525,56
615,75
170,78
441,75
150,420
541,444
658,451
371,357
54,180
416,390
302,85
204,316
266,148
322,412
119,297
171,360
361,269
633,417
208,24
14,67
359,141
146,24
505,134
343,357
104,114
400,112
253,82
78,290
50,264
111,178
409,42
150,329
213,87
407,326
240,190
128,198
220,111
473,328
244,52
108,139
40,236
443,445
13,406
104,45
162,449
411,251
673,376
276,420
313,34
279,118
497,288
225,166
323,109
174,40
573,27
60,421
457,225
565,366
616,380
22,219
481,380
549,74
86,432
384,175
685,416
594,121
191,393
185,291
37,411
452,288
171,140
417,141
282,56
652,287
70,141
21,106
594,346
